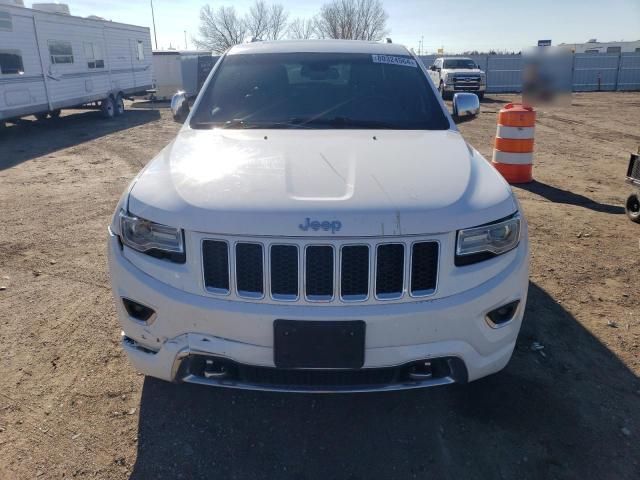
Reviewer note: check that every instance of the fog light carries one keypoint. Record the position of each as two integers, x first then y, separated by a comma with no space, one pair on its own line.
214,369
137,310
503,314
421,371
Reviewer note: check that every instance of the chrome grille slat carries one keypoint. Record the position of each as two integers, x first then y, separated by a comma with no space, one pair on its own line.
215,259
390,271
317,270
283,261
354,272
249,270
423,279
319,273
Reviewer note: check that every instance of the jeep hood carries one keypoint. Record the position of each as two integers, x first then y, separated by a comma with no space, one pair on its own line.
268,182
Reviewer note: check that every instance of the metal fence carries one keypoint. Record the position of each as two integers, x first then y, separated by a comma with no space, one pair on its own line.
580,72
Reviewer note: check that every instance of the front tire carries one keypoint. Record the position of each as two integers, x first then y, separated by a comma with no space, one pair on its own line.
480,95
107,107
119,105
632,207
41,116
55,113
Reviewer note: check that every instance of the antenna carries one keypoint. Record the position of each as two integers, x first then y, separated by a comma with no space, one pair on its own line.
153,19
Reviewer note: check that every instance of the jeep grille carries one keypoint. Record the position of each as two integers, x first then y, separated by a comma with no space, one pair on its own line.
320,272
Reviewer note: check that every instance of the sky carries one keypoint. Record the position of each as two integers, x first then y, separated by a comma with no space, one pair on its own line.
456,26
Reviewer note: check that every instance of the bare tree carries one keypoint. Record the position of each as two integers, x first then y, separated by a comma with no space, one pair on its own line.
352,19
220,29
302,29
258,18
277,22
223,28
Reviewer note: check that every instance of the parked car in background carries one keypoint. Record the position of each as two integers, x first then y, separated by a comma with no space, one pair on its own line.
319,224
50,60
457,74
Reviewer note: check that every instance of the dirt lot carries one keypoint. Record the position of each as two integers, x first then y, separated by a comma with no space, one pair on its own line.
71,405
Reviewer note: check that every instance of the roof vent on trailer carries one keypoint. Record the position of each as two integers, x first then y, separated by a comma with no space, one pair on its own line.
59,8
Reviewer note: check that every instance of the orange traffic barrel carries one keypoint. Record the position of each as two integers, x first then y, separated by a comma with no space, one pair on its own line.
513,148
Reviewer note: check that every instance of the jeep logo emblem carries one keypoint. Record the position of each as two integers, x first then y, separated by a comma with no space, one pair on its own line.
316,225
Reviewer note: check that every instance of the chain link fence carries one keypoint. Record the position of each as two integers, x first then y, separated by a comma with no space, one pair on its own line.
580,72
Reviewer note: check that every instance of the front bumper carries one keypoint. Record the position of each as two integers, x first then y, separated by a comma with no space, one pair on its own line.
452,332
451,87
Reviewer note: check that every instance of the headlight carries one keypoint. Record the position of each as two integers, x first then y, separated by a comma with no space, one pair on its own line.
160,241
486,241
483,78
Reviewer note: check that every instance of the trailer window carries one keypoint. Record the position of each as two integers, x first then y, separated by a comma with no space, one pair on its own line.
140,51
93,52
60,52
5,21
11,62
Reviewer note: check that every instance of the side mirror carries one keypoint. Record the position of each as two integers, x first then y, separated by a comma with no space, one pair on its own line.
466,105
180,106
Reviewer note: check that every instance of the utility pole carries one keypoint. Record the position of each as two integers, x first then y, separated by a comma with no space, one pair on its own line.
153,19
421,43
185,40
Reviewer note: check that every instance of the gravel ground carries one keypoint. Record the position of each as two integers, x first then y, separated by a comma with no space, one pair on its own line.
71,405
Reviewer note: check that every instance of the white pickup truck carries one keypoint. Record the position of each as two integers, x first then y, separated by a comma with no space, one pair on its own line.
319,224
457,74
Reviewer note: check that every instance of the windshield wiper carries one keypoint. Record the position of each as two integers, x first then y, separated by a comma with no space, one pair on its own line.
238,124
341,122
298,122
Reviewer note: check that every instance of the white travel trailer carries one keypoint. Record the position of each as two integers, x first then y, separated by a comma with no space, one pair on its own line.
50,60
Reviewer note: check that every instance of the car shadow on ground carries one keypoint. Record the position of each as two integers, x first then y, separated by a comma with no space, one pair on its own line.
151,104
545,416
458,120
28,139
502,101
559,195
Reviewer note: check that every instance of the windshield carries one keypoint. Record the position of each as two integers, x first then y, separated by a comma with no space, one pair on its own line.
319,90
465,63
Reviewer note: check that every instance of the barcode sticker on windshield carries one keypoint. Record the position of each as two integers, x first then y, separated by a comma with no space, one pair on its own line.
391,60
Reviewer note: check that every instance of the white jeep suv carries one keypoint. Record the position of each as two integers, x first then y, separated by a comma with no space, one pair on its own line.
457,74
319,224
